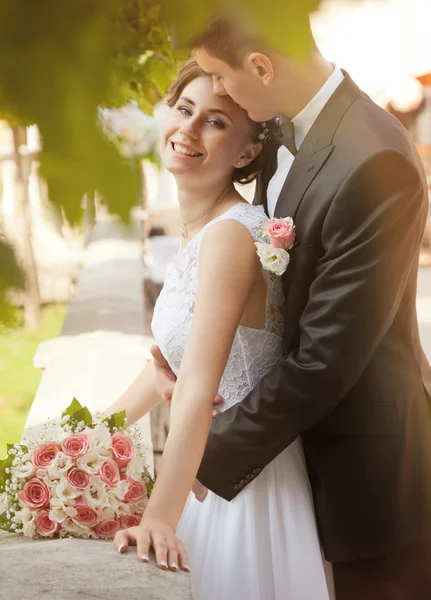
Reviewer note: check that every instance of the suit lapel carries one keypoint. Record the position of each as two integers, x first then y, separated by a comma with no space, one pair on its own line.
316,148
304,169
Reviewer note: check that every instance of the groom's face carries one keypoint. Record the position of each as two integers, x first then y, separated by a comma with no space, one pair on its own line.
241,85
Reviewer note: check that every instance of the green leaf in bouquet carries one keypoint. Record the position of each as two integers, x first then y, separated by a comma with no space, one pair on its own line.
4,476
5,523
83,415
117,420
149,483
73,408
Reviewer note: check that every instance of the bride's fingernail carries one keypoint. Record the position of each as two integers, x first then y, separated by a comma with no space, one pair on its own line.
174,566
145,557
187,568
121,547
164,564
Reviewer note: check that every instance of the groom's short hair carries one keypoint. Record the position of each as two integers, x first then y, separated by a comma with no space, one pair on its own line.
231,39
228,40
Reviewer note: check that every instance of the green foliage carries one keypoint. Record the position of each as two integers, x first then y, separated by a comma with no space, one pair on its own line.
149,484
6,464
78,414
60,61
116,421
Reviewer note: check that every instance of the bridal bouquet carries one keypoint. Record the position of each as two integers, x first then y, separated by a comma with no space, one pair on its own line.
76,477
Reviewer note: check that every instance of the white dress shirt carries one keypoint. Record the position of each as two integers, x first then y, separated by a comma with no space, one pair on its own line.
303,123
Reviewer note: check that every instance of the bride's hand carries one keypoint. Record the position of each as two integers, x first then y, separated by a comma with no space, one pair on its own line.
159,536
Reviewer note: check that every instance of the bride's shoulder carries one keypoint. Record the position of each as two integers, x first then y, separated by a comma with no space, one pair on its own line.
229,241
250,215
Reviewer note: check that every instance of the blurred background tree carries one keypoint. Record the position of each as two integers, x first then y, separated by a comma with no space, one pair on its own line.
60,61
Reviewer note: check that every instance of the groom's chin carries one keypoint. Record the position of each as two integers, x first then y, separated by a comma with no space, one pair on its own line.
260,117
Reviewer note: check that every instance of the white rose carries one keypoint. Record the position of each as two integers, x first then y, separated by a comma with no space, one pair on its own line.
95,494
120,490
59,511
100,439
90,462
107,513
122,509
23,470
44,476
29,529
272,259
26,518
25,515
66,492
75,529
59,466
135,469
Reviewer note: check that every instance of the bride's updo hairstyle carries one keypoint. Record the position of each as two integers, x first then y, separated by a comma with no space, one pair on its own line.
189,71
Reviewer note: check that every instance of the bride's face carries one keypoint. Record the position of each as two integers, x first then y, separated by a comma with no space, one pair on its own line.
205,136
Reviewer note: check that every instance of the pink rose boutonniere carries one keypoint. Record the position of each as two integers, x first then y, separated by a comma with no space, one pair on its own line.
277,238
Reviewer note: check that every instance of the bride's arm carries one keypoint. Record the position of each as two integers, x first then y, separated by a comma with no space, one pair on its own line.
139,398
228,271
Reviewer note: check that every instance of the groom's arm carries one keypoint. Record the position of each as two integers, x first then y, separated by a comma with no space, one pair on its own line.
371,236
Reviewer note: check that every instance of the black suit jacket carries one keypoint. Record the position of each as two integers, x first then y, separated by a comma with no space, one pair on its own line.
350,379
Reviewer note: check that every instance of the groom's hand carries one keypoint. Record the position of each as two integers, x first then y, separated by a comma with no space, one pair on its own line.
199,490
165,380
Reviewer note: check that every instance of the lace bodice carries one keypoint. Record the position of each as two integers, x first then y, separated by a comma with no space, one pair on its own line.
254,351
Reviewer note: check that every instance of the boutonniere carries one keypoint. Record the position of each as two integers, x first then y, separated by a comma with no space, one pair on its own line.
277,237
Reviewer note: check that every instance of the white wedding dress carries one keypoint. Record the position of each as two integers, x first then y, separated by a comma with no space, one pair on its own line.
263,545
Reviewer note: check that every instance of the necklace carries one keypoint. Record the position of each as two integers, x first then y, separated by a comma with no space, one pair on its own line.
225,192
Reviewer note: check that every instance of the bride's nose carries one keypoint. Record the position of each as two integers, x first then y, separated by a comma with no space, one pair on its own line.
190,129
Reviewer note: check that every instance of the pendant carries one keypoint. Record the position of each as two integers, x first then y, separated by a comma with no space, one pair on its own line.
184,233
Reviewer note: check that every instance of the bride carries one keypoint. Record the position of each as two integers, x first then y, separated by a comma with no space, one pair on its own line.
219,324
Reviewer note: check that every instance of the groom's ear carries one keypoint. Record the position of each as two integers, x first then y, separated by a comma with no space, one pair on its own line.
260,65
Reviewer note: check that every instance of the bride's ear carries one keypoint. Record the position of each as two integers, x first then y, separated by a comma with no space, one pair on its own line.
249,154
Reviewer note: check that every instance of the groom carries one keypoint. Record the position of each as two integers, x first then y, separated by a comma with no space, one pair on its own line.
350,380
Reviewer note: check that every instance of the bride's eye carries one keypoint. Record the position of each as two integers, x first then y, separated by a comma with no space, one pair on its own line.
217,123
184,110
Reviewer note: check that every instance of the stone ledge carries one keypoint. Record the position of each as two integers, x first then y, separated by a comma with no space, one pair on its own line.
68,569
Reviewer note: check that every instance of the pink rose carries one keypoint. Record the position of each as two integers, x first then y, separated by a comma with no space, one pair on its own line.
136,492
79,478
281,232
86,515
76,445
130,520
122,449
35,494
109,473
44,454
106,529
44,525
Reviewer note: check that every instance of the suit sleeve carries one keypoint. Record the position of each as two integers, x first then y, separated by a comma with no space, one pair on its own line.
370,238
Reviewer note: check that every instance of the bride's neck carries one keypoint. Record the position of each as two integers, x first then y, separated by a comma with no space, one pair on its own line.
196,200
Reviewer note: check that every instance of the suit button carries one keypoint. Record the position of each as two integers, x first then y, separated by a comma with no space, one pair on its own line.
237,487
249,477
243,482
256,471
